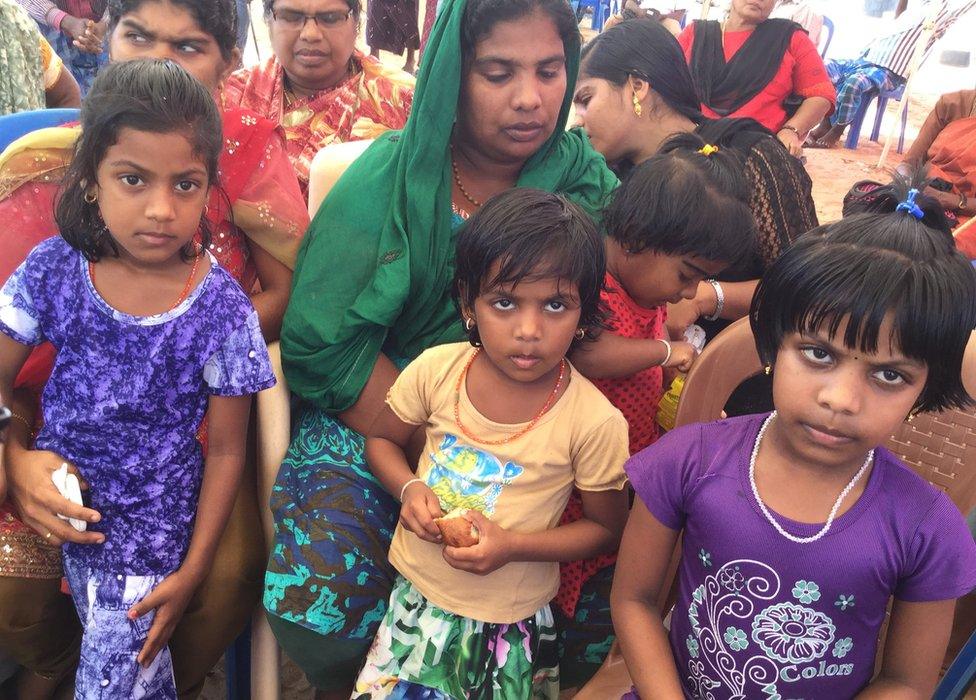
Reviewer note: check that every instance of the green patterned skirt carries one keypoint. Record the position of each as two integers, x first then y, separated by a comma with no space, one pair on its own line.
422,651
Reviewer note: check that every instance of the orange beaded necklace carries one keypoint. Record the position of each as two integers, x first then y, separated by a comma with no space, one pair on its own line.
515,436
186,287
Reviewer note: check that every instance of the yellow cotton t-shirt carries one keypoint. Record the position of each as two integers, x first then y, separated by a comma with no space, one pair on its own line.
522,485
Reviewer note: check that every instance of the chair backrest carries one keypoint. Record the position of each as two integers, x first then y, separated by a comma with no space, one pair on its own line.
828,25
327,167
13,126
727,361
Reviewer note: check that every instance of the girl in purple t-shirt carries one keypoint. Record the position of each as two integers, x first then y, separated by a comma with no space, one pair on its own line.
150,334
797,527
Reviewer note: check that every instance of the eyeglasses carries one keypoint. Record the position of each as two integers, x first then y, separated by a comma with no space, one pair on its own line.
293,19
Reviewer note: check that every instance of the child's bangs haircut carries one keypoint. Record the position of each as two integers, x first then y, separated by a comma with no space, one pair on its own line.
682,202
218,18
862,270
145,95
531,235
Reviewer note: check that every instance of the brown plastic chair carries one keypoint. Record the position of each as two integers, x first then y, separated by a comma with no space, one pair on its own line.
940,447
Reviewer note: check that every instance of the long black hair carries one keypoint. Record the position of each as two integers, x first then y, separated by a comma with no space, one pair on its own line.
868,267
530,234
146,95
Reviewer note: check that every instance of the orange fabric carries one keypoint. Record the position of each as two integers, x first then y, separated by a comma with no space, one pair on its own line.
374,99
802,73
952,156
637,397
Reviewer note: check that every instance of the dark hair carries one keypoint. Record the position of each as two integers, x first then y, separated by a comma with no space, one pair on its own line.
680,202
645,49
481,16
861,269
531,234
884,199
146,95
354,5
218,18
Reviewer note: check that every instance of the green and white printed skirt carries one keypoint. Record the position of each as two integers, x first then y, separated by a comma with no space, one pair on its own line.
423,652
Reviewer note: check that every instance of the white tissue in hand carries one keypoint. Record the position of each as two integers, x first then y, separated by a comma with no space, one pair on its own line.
70,488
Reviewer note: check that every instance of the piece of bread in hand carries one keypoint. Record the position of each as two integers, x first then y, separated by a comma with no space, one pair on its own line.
456,531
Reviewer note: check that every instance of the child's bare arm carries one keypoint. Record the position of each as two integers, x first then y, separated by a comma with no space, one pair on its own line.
227,418
642,565
386,454
12,358
598,532
917,637
613,357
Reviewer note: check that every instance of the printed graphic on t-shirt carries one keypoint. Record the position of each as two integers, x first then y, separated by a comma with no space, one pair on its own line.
466,477
751,648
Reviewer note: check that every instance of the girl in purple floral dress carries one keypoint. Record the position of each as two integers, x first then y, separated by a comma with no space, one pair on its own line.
151,334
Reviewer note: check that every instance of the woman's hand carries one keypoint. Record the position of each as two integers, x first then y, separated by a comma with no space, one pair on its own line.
493,551
792,141
169,599
420,507
38,500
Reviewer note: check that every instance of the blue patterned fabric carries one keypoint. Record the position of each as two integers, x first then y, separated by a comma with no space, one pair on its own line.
83,66
127,395
108,669
854,79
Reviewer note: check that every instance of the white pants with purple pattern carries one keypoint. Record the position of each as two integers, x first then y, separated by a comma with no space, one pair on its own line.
111,641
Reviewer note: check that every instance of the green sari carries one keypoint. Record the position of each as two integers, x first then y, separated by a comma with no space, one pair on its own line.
372,277
21,74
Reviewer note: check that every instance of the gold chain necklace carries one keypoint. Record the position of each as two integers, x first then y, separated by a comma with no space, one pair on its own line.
186,287
515,436
457,181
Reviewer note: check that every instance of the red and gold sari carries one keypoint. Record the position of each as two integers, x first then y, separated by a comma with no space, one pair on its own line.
266,208
372,100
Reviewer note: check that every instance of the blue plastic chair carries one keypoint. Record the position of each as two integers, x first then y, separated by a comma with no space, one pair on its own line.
961,674
13,126
828,24
237,666
854,131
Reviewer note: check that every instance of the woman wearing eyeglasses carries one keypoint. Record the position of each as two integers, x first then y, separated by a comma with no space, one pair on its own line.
317,85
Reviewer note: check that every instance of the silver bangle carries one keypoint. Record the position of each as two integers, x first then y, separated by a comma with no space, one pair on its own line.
668,356
404,489
719,300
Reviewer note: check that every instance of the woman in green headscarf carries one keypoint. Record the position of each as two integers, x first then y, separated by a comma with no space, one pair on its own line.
371,291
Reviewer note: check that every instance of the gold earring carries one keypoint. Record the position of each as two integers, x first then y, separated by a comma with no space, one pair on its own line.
468,324
768,369
911,414
638,110
580,333
91,197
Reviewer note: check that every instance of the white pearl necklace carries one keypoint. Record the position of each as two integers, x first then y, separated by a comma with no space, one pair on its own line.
769,516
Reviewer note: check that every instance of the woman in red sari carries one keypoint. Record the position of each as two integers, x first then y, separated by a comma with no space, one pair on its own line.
753,66
317,85
258,228
946,146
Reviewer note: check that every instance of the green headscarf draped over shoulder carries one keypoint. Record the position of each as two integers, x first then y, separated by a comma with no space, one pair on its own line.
374,271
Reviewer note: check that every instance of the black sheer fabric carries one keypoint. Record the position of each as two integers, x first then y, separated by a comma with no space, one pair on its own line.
726,87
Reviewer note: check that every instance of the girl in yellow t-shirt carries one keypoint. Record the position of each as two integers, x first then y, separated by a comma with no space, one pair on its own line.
509,428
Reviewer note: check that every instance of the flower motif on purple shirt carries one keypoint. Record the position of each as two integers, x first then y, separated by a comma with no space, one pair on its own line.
806,592
793,634
731,579
693,618
845,602
843,647
699,594
706,558
736,639
692,645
